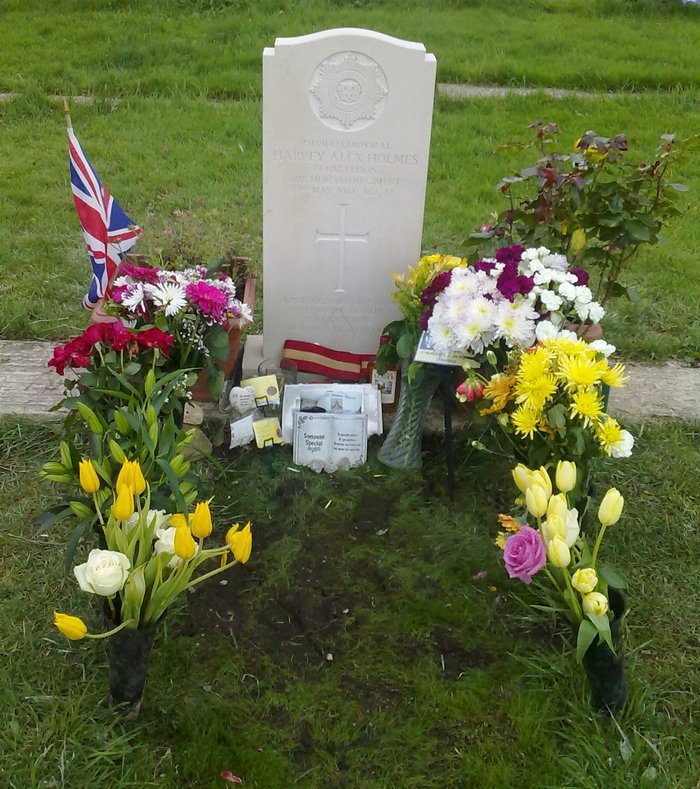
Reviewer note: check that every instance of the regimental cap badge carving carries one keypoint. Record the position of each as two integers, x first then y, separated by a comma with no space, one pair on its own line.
348,91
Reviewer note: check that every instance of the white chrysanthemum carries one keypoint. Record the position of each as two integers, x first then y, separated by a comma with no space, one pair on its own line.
169,295
603,347
555,261
441,335
515,322
542,277
134,296
567,291
550,300
546,330
623,448
582,310
464,284
596,312
583,294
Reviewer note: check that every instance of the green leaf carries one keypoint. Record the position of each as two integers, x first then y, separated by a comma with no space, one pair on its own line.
149,383
602,625
679,187
586,633
74,539
638,230
556,416
612,577
171,476
47,518
405,346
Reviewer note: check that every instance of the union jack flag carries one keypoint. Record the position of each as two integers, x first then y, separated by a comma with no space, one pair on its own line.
109,233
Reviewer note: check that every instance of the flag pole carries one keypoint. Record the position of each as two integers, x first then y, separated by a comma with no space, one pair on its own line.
66,113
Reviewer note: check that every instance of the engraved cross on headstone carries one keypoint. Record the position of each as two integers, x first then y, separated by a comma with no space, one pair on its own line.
342,237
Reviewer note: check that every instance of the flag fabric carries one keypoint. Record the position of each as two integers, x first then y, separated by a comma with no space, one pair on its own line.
310,357
109,233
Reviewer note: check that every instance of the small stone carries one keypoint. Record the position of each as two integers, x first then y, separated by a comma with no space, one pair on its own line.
193,414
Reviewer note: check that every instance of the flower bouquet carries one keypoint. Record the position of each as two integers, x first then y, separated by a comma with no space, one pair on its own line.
550,403
546,540
196,309
148,559
402,447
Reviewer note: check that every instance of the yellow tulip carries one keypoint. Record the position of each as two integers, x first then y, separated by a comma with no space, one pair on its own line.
557,507
578,240
201,520
178,520
138,482
185,546
595,603
126,476
240,542
584,580
89,481
566,476
72,627
541,477
611,507
536,500
522,476
558,552
123,507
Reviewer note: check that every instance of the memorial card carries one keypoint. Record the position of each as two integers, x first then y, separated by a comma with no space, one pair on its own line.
327,442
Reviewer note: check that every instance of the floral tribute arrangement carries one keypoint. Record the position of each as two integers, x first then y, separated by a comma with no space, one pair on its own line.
148,558
185,315
545,541
513,299
551,404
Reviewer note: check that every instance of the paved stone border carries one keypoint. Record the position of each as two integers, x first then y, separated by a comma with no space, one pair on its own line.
28,388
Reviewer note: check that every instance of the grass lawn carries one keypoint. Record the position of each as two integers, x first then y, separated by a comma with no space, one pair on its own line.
374,639
362,645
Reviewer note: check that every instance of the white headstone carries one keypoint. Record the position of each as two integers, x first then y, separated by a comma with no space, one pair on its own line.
346,136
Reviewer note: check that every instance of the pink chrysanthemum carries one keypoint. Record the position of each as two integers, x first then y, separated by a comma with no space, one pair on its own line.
208,299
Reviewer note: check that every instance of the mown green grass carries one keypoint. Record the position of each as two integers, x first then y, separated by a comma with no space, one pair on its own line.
438,678
213,47
162,156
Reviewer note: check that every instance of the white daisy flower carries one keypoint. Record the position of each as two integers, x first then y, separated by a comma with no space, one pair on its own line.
169,295
134,297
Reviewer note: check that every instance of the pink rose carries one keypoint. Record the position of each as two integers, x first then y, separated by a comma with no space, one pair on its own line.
524,554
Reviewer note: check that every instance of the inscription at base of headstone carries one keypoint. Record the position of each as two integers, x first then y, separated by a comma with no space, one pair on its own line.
346,136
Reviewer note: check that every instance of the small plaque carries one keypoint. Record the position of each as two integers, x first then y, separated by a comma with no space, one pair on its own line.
426,353
330,441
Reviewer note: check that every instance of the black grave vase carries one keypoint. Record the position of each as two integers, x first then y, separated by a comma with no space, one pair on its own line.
129,656
604,668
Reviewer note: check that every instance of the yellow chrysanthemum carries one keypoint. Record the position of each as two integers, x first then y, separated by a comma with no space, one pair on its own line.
509,523
609,434
498,389
579,372
535,363
614,376
565,346
501,540
525,421
535,392
586,404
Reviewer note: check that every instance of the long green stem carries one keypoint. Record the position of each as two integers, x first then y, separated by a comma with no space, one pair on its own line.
596,547
210,574
554,581
578,611
98,510
112,631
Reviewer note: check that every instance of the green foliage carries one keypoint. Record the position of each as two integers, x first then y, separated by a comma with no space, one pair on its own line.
121,413
593,205
428,658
